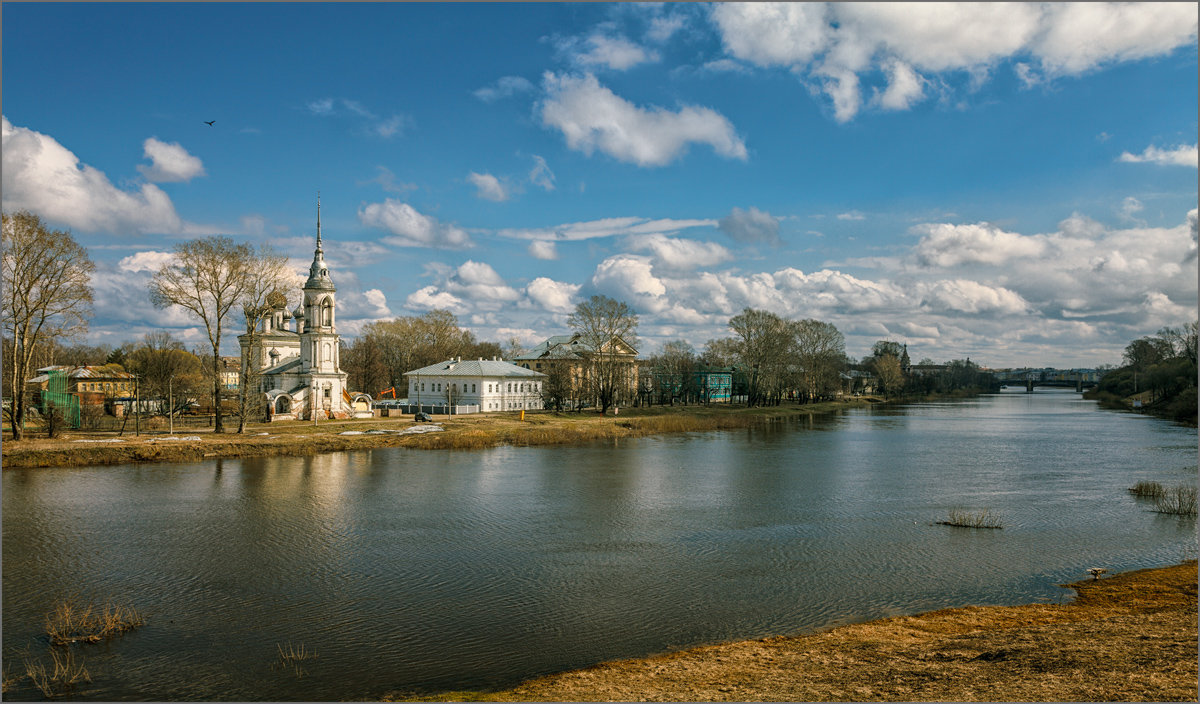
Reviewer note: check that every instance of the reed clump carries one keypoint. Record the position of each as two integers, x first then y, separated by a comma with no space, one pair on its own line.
291,657
1177,501
61,677
1147,489
960,518
74,622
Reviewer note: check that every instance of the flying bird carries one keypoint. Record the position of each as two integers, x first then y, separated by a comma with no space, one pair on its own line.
209,122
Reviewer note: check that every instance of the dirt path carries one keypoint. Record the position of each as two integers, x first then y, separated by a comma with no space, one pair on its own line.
1131,637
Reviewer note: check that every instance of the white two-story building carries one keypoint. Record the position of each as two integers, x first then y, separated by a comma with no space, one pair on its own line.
489,385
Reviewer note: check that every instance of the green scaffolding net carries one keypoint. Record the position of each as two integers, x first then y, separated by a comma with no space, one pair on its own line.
56,397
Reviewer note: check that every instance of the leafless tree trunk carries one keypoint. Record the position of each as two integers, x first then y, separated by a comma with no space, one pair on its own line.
46,294
262,294
207,277
604,325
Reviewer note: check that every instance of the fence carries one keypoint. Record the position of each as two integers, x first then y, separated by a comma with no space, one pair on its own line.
440,409
55,396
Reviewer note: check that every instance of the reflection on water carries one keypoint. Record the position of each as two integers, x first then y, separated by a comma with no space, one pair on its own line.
415,571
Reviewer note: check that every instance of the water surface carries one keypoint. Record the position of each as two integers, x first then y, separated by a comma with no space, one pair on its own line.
415,570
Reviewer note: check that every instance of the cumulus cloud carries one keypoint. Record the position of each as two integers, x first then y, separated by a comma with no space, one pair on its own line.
677,254
478,282
852,215
541,175
543,249
411,228
553,296
44,177
662,28
592,117
429,298
751,225
169,162
838,44
489,187
966,296
1183,155
504,87
945,245
150,261
630,278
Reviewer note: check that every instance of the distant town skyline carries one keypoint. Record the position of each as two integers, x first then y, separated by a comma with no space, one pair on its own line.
1015,183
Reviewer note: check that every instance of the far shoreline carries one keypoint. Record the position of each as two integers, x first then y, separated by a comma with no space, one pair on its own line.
459,432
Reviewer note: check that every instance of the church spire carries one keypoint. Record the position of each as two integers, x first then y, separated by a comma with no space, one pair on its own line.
318,221
318,273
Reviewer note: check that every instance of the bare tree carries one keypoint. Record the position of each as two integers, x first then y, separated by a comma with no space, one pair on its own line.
820,353
166,370
262,294
608,328
762,350
46,294
207,277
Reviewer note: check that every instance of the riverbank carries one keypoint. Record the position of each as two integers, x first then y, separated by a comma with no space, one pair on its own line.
445,432
1131,637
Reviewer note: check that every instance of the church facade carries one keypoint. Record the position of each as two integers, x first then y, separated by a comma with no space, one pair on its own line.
294,355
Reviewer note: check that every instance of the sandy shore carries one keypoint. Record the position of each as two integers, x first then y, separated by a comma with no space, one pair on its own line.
1130,637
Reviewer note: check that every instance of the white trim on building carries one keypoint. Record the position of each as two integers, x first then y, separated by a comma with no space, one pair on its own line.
492,385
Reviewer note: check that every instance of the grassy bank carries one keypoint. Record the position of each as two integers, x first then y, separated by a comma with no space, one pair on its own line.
458,432
1131,637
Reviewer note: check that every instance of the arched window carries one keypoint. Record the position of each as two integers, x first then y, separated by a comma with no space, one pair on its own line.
326,312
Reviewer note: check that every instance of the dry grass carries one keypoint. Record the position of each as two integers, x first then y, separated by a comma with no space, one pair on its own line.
74,622
972,519
468,432
1131,637
61,677
1146,489
1178,501
292,657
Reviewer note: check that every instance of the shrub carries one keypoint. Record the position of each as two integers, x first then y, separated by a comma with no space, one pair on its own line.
1147,489
968,519
1179,501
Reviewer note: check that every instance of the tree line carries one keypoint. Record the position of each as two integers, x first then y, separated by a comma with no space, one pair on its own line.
1161,368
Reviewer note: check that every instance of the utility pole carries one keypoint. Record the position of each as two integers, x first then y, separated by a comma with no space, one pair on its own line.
170,406
137,405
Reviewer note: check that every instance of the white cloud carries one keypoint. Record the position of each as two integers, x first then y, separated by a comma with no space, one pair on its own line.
592,117
369,122
945,245
553,296
46,178
852,215
411,228
967,296
677,254
1183,155
169,162
630,278
479,283
429,298
905,87
541,175
605,227
751,225
504,87
543,249
145,261
617,53
662,28
839,43
489,187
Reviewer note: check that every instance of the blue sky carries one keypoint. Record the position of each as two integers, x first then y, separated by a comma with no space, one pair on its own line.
1014,183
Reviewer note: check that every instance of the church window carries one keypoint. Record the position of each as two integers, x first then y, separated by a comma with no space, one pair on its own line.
326,312
326,392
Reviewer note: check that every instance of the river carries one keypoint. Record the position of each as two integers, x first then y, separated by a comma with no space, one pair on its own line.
418,571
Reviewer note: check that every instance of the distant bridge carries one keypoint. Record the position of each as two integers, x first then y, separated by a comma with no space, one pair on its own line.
1079,379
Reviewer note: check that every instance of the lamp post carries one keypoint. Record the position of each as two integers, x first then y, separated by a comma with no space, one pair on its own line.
137,407
314,403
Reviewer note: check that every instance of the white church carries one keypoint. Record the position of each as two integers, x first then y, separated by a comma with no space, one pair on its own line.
296,354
